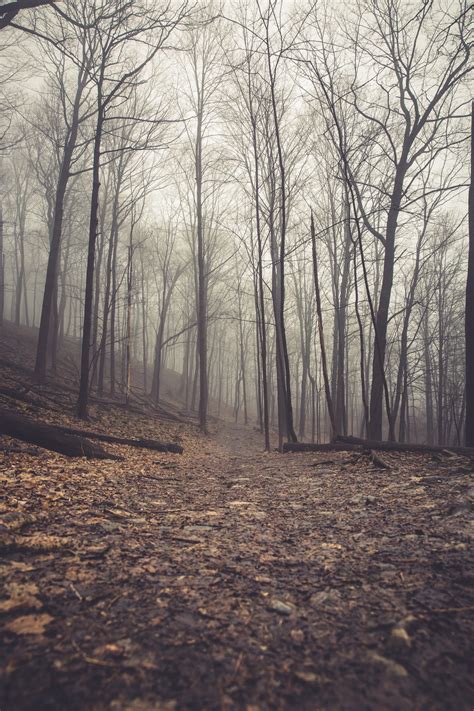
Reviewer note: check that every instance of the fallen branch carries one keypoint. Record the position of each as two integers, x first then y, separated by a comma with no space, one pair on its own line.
49,437
326,447
376,460
355,444
402,446
139,443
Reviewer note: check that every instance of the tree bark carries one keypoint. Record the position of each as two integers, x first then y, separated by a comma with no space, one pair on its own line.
55,241
327,386
202,283
381,322
469,322
88,296
2,269
48,437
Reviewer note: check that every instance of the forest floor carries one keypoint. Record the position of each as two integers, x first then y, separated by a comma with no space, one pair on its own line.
227,578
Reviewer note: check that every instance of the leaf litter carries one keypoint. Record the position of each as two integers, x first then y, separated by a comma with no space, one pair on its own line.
227,578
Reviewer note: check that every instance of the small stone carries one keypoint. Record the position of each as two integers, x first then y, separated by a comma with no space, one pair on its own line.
470,493
281,607
319,597
308,677
297,636
389,665
399,639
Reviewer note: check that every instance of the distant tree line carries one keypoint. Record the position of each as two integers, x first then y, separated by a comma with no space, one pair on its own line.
258,209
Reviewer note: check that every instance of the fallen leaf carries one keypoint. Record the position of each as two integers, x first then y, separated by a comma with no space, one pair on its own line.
30,624
22,597
40,542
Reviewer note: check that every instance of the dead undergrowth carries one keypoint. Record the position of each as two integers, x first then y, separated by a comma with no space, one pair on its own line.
229,578
226,578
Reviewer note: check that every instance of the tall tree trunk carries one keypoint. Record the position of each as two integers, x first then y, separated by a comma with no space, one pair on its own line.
2,269
283,363
55,240
362,362
428,382
258,369
156,383
201,285
327,385
108,297
242,356
261,294
144,328
54,327
114,320
98,272
341,319
83,400
63,299
381,322
128,334
469,322
402,435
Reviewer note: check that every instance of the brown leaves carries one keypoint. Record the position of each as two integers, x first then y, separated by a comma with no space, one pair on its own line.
274,582
144,568
37,543
21,597
30,624
143,705
14,520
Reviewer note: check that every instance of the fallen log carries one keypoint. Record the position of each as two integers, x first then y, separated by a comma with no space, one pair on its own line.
49,437
356,444
325,447
112,439
401,446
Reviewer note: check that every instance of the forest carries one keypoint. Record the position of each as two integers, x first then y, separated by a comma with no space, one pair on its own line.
236,354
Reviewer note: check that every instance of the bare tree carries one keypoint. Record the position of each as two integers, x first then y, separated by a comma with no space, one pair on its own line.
68,51
469,317
9,10
403,123
118,36
273,48
204,76
168,270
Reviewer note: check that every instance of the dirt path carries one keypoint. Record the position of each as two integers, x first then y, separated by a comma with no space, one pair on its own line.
233,579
